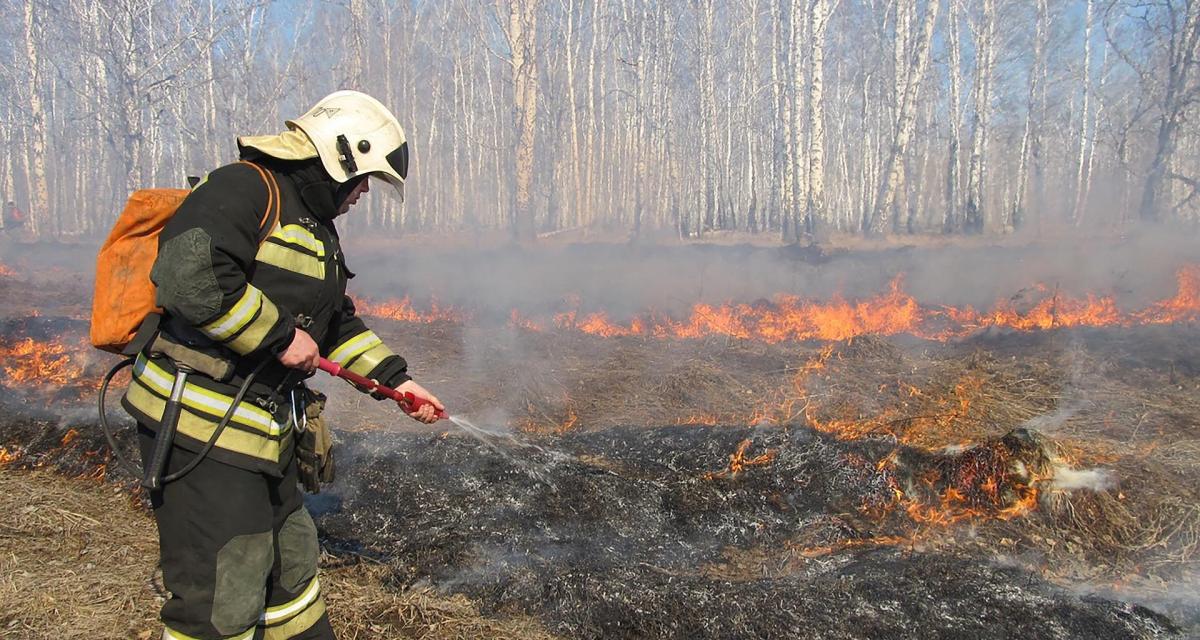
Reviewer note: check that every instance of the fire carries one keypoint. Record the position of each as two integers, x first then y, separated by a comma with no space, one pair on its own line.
6,271
738,461
1183,307
791,318
999,479
403,310
7,456
517,321
33,362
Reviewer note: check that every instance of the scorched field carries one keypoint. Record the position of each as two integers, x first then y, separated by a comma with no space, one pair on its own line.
695,442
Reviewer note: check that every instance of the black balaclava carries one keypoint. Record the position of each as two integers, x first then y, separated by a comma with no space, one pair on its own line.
322,194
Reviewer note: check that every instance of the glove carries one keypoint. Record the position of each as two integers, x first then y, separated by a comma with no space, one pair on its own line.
314,446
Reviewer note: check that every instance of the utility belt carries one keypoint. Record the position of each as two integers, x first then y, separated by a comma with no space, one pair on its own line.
285,405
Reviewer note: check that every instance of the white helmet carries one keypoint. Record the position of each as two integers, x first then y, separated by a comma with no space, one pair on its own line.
356,135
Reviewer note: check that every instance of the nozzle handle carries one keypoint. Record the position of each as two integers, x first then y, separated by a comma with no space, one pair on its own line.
408,401
412,403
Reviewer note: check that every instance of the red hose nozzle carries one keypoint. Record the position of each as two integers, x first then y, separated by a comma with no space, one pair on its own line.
408,401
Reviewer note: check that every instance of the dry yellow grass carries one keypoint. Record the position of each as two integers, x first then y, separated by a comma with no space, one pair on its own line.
78,560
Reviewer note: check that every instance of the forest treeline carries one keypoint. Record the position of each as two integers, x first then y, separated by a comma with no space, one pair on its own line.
786,117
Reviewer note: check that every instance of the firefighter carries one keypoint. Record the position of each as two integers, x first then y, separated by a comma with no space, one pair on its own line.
238,550
14,218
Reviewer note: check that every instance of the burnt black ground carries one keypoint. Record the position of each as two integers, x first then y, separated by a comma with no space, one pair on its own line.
619,534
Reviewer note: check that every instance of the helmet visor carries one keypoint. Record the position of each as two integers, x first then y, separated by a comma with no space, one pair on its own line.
398,161
397,186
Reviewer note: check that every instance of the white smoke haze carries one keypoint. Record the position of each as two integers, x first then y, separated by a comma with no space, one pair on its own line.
623,280
1069,479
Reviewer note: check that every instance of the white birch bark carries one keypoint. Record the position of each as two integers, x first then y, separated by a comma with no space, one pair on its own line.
975,215
905,121
1085,117
39,187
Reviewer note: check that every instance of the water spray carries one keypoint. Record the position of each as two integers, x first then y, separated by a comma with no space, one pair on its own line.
501,443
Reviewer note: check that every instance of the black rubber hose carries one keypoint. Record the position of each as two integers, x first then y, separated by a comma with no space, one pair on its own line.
212,440
127,465
108,435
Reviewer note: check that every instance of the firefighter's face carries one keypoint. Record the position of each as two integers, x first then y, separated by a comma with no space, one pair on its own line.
359,189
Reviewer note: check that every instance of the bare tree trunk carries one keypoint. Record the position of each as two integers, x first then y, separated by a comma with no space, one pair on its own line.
708,111
905,120
592,121
985,58
797,160
210,107
523,39
7,141
1031,138
819,12
1183,55
775,203
1090,159
752,146
571,46
952,222
1081,177
39,187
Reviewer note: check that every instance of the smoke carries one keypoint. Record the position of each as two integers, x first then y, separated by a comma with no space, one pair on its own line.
626,279
1068,479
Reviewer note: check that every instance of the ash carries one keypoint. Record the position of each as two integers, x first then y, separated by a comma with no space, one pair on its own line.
650,532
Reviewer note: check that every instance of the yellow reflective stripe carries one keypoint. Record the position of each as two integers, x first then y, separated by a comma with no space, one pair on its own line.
297,625
354,346
171,634
365,363
288,609
292,260
296,234
203,399
253,335
201,429
201,183
237,317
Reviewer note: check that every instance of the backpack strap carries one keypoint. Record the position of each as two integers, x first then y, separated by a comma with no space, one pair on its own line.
271,215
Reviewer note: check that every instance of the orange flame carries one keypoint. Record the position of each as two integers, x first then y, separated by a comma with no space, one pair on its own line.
32,362
894,312
404,311
1184,306
517,321
6,271
738,461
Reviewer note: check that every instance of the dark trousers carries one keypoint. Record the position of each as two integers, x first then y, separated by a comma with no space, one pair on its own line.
238,552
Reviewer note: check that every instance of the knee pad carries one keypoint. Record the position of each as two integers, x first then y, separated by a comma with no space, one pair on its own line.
240,593
298,551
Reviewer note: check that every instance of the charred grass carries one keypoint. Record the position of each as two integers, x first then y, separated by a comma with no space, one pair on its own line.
813,522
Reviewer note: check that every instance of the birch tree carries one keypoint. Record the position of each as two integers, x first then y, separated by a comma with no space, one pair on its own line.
907,85
983,29
522,40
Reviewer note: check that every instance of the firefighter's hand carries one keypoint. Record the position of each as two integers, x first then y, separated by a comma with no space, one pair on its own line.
302,353
428,412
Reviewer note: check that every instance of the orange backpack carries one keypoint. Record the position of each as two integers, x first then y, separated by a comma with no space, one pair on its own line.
124,294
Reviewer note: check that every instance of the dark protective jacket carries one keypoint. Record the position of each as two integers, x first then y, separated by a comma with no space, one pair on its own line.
223,291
